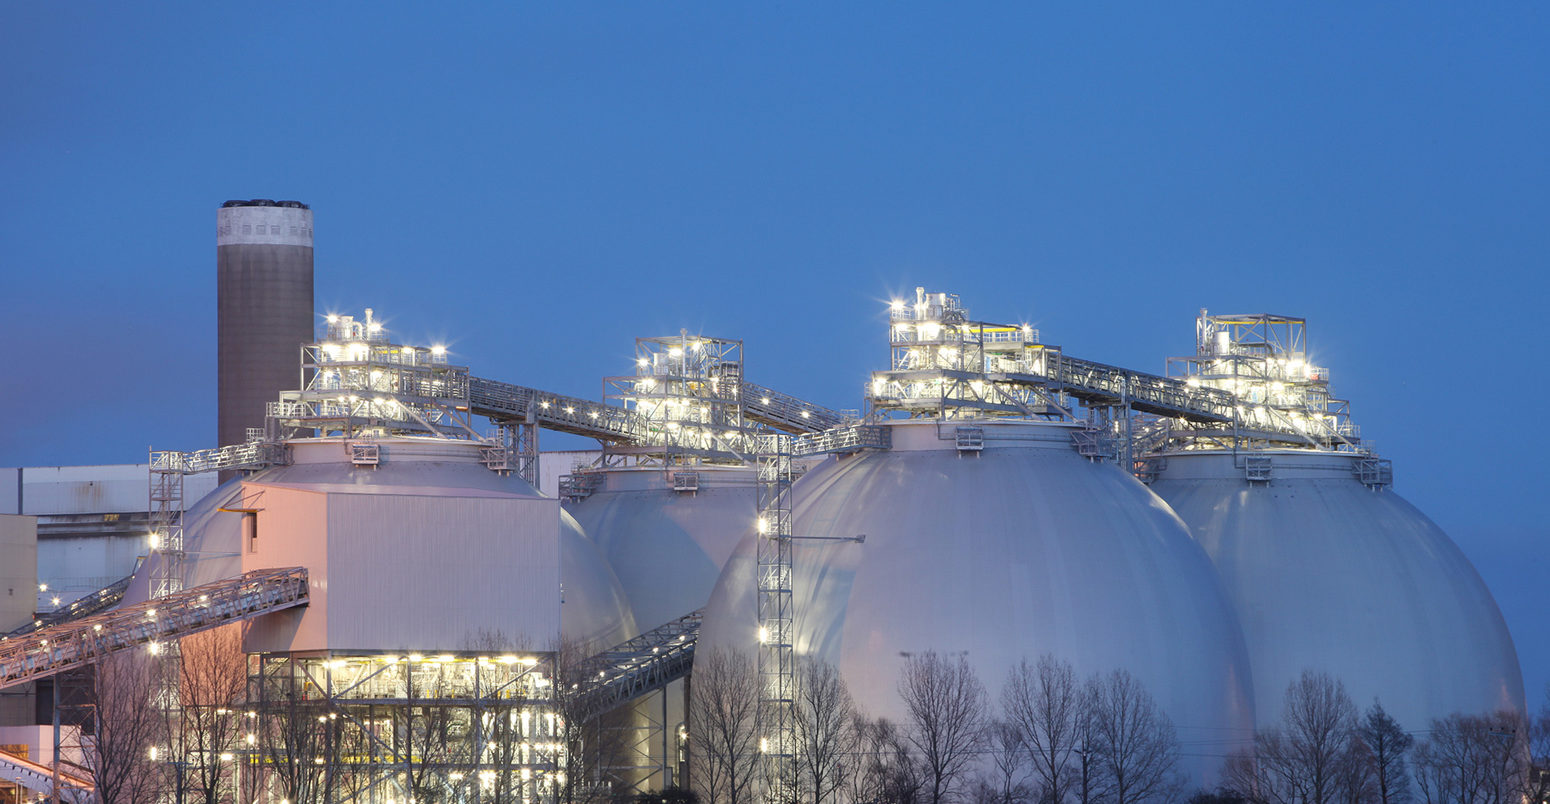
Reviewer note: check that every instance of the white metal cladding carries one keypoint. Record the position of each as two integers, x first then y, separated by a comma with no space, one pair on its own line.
18,570
667,547
595,607
1023,550
437,572
1329,574
594,612
266,225
292,531
117,488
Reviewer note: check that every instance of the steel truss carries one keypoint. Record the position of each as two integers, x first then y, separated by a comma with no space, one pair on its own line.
73,788
1280,398
85,606
469,727
49,651
775,719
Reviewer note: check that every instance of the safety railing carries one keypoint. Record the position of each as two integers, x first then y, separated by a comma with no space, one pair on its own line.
39,778
636,667
787,412
851,438
48,651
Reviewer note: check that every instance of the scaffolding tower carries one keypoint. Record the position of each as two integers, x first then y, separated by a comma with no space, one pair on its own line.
1281,398
777,655
687,393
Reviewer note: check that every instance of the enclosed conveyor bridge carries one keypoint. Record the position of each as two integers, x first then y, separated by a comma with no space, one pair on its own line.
52,650
74,787
1098,384
497,400
85,606
638,666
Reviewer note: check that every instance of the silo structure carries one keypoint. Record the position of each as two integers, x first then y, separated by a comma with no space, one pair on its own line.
668,515
962,518
1329,574
425,550
1022,549
442,588
667,543
263,306
1327,567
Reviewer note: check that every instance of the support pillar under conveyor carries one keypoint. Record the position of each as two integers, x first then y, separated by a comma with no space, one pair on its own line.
641,670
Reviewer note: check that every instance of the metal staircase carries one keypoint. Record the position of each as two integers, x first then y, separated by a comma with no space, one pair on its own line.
55,649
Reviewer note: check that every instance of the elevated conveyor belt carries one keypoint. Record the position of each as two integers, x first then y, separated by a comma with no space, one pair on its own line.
1102,384
585,417
73,787
62,647
1099,384
636,667
85,606
787,413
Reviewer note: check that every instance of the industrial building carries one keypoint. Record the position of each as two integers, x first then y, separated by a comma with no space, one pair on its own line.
433,609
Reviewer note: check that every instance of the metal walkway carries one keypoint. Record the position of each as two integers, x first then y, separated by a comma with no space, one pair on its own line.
84,606
73,788
636,667
1101,384
585,417
80,642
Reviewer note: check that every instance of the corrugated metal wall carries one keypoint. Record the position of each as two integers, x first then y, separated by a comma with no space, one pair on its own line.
440,573
409,572
18,569
118,488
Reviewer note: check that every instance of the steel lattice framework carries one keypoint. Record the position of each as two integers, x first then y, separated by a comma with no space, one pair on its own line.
73,788
636,667
777,656
52,650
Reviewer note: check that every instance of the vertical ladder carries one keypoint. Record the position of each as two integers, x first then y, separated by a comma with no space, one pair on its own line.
166,516
777,672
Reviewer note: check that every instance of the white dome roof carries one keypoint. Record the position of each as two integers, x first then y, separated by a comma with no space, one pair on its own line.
667,547
1024,549
1330,575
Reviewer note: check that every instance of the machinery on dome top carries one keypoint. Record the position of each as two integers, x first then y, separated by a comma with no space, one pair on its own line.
1251,393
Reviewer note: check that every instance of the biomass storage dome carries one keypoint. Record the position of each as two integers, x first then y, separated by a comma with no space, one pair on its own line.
1023,549
1329,574
428,549
667,543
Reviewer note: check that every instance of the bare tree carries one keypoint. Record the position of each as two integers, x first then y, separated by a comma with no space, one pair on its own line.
1320,721
1008,756
1308,759
590,745
821,725
1045,701
723,703
1536,786
1133,742
901,778
946,705
1386,744
125,689
863,771
205,729
299,740
1473,759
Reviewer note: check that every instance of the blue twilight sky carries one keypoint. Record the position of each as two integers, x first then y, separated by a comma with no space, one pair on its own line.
538,184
